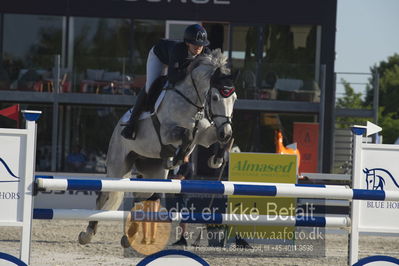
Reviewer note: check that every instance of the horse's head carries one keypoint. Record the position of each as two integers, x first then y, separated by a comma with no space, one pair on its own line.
211,78
204,66
220,103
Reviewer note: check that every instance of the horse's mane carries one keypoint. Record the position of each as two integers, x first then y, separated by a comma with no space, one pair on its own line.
216,58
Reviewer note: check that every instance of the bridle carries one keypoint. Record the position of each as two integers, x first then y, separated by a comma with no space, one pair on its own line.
211,116
201,108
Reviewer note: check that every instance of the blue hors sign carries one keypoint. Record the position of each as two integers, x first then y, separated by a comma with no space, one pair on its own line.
379,172
11,173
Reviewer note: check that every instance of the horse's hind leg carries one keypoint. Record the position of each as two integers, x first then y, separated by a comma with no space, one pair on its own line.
107,200
155,170
91,230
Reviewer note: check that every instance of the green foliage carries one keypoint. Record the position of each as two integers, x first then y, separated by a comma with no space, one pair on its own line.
390,126
351,100
389,82
388,97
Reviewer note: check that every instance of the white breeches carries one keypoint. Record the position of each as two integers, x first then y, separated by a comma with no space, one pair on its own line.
155,68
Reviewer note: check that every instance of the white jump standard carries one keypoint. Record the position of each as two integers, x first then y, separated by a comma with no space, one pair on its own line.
217,187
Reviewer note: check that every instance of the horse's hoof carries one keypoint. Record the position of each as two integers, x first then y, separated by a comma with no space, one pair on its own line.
125,242
85,237
215,162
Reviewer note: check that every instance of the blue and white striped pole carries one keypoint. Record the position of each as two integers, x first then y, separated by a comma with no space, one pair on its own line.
217,187
200,218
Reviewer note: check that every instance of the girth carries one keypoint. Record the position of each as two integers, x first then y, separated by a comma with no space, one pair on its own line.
166,150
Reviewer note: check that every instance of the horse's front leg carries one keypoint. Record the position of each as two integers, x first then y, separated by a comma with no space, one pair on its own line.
216,160
181,137
206,135
187,139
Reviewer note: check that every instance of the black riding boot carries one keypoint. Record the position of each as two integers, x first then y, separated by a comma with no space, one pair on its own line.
131,126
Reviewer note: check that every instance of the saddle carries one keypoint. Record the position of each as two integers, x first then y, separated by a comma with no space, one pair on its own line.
153,94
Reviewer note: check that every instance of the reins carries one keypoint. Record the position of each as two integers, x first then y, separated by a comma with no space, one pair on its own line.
200,108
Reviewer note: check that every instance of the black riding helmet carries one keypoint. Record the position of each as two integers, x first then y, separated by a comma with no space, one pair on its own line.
196,34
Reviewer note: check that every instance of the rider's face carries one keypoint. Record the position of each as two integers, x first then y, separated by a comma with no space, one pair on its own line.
195,49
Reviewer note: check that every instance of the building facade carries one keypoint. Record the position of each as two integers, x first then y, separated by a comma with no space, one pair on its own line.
82,62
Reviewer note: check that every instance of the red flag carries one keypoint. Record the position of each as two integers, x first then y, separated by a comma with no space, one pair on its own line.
11,112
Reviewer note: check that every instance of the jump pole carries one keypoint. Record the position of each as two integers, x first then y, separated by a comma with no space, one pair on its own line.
198,218
217,187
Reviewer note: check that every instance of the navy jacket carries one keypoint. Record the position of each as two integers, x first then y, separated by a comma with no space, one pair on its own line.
175,55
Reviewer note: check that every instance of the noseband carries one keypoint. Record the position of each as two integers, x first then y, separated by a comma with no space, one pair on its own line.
211,116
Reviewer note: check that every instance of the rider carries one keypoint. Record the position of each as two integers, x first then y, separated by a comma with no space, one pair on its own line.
171,57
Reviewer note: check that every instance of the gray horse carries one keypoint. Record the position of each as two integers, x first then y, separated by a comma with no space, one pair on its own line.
197,111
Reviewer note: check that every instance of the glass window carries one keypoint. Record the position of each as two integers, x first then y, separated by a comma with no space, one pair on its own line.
276,62
175,28
30,43
218,34
44,135
287,66
255,131
101,61
146,34
85,133
243,58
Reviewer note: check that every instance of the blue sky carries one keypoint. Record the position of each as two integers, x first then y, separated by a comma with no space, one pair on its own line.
367,33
